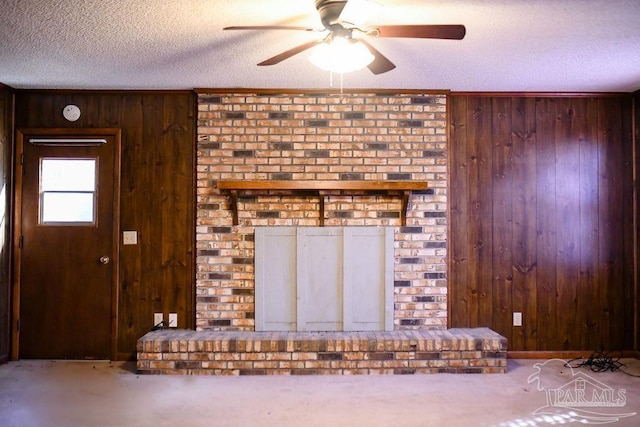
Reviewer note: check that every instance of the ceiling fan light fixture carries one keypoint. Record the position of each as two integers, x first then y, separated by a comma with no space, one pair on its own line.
341,55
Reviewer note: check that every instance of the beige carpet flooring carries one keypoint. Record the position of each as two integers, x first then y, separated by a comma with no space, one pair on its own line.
105,394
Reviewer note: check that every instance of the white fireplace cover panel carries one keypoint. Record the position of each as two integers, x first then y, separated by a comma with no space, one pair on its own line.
324,278
275,279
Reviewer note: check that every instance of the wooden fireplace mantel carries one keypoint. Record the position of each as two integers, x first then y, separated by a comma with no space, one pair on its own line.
404,188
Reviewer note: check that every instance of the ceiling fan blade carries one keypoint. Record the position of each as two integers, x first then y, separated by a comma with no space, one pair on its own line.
289,53
380,63
269,27
450,32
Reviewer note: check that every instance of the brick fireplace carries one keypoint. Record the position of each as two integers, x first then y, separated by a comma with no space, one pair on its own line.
352,137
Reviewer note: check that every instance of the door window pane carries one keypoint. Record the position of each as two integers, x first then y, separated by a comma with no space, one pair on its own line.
68,175
67,190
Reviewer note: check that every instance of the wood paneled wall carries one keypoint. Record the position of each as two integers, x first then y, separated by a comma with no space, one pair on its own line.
6,130
542,220
157,195
541,212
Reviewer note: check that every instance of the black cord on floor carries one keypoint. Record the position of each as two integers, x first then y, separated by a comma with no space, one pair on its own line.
600,361
159,326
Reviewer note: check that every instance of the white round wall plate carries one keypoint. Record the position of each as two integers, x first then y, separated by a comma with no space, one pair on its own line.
71,112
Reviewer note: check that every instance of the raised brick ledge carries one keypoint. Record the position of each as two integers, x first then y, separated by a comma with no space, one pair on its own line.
460,350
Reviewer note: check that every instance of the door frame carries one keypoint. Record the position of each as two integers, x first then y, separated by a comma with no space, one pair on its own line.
17,224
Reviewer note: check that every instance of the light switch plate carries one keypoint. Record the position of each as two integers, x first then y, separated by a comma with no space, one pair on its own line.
129,237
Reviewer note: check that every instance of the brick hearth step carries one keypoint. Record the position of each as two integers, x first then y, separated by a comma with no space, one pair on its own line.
460,350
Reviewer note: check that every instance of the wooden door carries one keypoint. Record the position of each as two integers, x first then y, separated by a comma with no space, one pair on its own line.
67,193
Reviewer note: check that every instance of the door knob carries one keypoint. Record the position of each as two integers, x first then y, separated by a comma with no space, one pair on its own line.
104,259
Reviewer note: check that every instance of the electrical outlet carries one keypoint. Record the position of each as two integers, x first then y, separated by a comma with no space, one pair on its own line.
517,318
157,318
173,320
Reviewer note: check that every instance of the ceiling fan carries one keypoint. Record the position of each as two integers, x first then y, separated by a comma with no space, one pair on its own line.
338,25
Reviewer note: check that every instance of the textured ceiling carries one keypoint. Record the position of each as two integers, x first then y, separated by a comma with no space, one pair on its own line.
511,45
